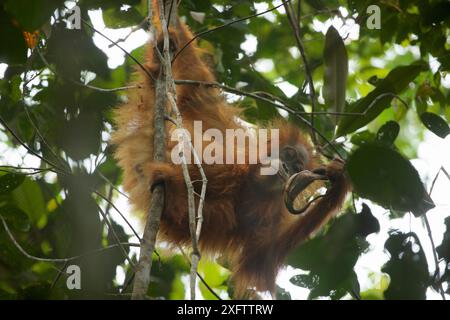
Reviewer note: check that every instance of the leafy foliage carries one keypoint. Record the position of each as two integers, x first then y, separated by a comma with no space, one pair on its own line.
406,255
336,70
388,83
384,176
444,253
331,257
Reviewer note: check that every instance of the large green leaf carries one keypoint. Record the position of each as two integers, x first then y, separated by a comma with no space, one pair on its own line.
73,51
336,71
331,257
15,218
444,252
31,14
10,181
16,50
380,98
118,18
28,197
382,175
362,137
387,134
215,276
435,124
407,267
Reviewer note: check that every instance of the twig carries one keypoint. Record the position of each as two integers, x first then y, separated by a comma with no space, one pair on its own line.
200,34
33,77
119,212
47,64
171,19
106,89
436,260
7,169
118,46
259,95
446,173
54,167
142,275
430,235
54,260
127,283
199,275
133,29
59,274
101,175
28,112
116,237
255,96
24,168
195,223
312,93
299,11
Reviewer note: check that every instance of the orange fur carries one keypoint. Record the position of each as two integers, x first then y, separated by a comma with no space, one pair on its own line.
245,218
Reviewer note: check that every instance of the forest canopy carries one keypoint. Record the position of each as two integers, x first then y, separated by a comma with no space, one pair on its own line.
380,95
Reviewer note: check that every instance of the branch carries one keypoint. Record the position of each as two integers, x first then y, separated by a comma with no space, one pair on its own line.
142,276
198,35
64,260
105,89
78,83
141,25
54,167
259,95
12,169
312,93
141,66
430,235
199,276
116,237
29,112
195,223
102,176
110,203
287,108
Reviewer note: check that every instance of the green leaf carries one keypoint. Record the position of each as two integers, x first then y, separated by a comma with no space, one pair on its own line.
407,268
28,197
15,217
443,251
282,294
115,18
384,176
304,280
435,124
425,93
362,137
214,275
178,289
10,181
31,14
331,257
16,50
73,51
35,291
379,98
336,71
367,222
163,276
16,94
387,134
81,136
